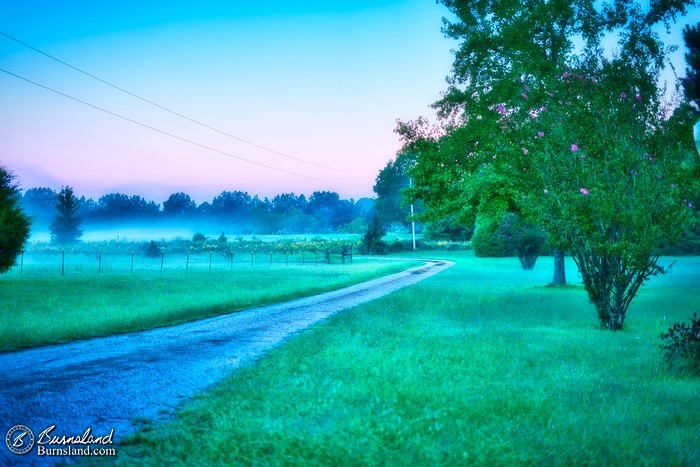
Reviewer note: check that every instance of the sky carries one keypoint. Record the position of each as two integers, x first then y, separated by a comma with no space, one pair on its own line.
298,96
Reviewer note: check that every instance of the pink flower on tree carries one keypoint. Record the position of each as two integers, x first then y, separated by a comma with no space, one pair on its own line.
525,151
583,191
623,95
540,134
574,148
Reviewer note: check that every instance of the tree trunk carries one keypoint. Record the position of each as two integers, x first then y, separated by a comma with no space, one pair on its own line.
559,278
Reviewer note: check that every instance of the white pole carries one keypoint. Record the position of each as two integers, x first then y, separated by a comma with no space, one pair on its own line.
413,223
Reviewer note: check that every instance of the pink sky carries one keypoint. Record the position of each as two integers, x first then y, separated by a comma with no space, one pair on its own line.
322,84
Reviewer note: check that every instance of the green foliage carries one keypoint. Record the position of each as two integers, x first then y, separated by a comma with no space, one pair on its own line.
447,229
523,237
372,242
614,178
487,243
682,342
14,223
65,228
390,184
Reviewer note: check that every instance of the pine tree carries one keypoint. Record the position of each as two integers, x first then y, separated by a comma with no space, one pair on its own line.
65,228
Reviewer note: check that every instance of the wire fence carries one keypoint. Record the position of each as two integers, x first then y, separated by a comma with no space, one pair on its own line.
106,262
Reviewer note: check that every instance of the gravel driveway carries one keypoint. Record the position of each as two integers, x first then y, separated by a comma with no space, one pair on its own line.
105,383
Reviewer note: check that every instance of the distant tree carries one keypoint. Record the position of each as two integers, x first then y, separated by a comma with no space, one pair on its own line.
142,208
287,202
113,205
232,205
65,228
118,206
329,210
14,223
88,208
179,204
365,209
389,186
372,240
40,204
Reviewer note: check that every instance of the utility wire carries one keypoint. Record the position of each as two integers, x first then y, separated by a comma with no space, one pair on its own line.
169,110
209,148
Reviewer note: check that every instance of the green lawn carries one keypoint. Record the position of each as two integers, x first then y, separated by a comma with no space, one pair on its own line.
42,307
479,364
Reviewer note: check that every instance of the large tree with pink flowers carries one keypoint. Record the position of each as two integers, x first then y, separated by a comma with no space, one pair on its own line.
543,121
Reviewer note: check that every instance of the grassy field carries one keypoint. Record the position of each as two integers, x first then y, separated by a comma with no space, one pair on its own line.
479,364
42,307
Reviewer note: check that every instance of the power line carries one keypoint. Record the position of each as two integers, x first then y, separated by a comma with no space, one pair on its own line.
169,110
209,148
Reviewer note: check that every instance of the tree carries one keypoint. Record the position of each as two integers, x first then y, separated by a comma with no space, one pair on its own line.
329,210
389,186
40,203
14,223
179,204
65,228
372,240
521,110
233,205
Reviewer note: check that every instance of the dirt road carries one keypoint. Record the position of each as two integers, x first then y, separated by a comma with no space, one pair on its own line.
105,384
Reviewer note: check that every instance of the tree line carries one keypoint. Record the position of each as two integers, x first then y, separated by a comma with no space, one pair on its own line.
322,212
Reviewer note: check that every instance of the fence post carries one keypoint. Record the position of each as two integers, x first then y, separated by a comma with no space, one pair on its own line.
232,253
350,254
162,260
302,257
328,255
99,263
270,259
316,256
187,261
21,263
210,253
132,261
286,258
63,261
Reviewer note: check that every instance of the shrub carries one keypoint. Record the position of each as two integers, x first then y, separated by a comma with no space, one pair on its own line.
372,241
152,250
486,243
524,238
682,341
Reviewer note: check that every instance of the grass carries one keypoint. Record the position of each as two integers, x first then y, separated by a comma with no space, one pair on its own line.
42,307
479,364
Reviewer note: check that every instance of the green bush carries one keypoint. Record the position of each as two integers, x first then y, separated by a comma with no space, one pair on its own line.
152,250
682,343
487,244
524,238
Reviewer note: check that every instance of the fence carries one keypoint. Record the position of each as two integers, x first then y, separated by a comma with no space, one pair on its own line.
103,261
